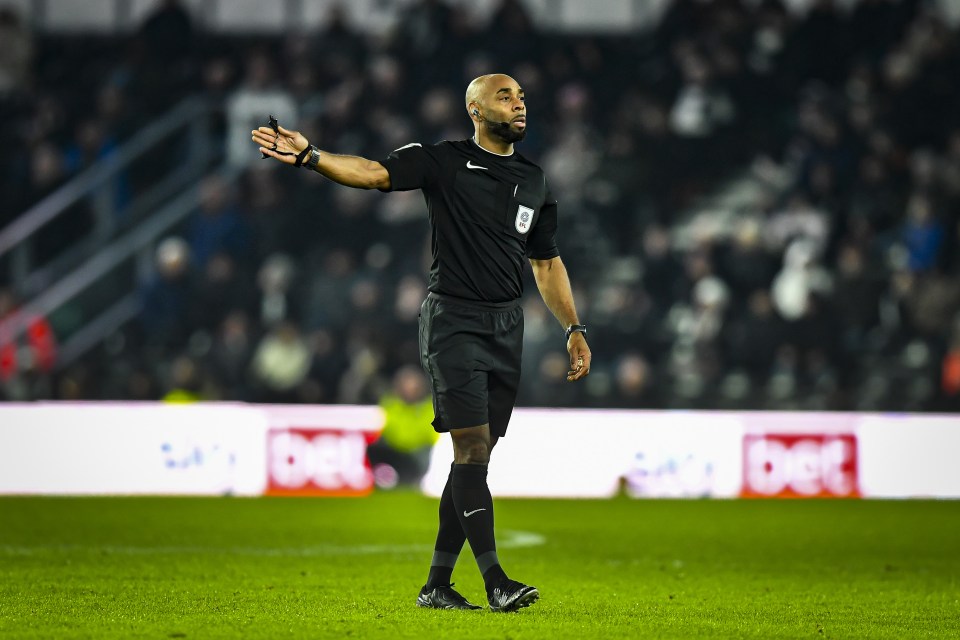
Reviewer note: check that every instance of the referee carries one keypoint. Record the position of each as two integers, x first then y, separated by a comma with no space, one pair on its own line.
490,209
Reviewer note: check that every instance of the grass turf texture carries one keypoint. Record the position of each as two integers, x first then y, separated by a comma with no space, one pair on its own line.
270,568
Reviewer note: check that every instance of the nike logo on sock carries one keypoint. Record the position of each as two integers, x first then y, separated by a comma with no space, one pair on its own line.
467,515
470,165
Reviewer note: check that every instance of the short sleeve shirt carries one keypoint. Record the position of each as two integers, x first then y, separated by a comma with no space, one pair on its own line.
488,214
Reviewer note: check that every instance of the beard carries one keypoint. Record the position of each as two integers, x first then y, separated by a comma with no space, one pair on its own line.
504,131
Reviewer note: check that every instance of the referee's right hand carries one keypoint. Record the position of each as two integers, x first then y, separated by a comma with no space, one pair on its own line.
291,142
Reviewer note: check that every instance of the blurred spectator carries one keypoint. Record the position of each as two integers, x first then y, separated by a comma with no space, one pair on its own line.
511,27
222,289
857,292
164,49
700,107
328,294
273,220
280,364
950,371
800,220
16,52
273,281
932,302
218,226
634,385
408,436
746,265
250,106
28,346
185,382
755,336
168,33
46,172
165,299
230,355
424,28
922,234
800,277
92,143
660,268
338,44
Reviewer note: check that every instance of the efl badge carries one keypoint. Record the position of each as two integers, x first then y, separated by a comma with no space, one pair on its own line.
524,218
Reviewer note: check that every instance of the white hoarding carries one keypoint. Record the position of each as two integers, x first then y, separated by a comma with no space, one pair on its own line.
241,449
596,454
130,448
909,456
592,454
155,448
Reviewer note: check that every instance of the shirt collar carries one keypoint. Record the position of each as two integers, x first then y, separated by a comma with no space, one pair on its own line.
493,153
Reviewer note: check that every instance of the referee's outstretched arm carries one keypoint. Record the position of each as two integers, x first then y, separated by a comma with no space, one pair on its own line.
352,171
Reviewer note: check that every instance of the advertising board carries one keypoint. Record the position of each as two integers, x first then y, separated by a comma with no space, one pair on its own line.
196,449
600,453
248,450
89,448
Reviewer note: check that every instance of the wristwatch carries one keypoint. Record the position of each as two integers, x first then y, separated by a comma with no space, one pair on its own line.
576,328
313,158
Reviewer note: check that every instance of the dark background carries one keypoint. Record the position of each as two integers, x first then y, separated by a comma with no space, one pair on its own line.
758,208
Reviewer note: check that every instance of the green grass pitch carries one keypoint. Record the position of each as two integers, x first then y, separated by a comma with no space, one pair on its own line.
345,568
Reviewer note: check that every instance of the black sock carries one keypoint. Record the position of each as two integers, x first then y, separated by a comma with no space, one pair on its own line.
474,504
450,539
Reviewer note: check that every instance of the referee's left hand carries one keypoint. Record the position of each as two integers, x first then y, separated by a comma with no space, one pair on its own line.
282,145
579,357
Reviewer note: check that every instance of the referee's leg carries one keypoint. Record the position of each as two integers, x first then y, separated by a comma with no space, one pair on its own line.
471,495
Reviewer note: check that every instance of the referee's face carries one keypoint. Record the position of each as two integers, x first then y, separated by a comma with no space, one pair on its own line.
506,112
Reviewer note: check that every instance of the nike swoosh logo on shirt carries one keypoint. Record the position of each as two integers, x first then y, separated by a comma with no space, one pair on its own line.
470,165
467,515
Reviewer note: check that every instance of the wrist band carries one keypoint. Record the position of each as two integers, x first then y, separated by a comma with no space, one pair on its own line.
308,158
576,328
302,155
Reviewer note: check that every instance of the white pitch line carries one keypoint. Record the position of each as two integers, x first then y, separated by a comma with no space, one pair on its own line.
507,540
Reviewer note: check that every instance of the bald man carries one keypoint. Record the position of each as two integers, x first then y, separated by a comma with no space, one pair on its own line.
490,211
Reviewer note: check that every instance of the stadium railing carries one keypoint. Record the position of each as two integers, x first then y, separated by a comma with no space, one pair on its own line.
89,289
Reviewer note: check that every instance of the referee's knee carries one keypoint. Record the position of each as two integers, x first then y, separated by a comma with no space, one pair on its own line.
471,450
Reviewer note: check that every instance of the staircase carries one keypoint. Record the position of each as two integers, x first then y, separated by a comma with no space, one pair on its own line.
89,289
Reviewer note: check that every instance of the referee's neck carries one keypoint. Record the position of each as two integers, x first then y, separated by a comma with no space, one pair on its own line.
496,147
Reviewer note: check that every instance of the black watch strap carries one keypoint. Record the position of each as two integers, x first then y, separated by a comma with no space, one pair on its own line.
302,156
576,328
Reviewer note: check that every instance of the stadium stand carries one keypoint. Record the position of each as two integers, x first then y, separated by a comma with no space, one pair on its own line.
748,226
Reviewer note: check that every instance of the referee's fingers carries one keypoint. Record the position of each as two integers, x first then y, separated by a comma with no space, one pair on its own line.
579,366
273,154
265,139
579,356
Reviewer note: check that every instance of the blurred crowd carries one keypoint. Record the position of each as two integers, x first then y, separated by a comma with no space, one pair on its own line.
835,284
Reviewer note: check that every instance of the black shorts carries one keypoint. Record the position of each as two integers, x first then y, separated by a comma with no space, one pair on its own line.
471,352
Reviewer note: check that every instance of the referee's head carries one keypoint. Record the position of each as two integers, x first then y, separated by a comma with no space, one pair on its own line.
495,103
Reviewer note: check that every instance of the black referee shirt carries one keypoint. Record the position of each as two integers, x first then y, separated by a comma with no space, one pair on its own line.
488,213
